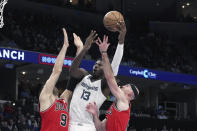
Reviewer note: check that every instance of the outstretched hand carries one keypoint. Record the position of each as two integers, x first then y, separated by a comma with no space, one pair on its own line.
90,39
92,108
121,27
77,41
65,37
122,31
103,46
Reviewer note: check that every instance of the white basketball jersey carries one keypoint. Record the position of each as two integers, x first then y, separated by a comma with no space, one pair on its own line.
84,93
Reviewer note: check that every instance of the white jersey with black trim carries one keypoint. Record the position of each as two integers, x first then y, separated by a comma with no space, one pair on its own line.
84,93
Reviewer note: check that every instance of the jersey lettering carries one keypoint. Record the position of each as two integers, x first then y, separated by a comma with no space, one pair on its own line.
60,106
89,87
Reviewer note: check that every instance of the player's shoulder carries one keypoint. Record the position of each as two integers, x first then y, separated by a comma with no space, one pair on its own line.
85,72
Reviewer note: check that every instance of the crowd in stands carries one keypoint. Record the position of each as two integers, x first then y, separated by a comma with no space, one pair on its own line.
17,116
30,31
21,114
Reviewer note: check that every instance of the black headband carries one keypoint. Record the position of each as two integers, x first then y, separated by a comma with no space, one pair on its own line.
134,88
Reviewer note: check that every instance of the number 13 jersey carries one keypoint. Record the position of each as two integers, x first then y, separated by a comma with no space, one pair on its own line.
84,93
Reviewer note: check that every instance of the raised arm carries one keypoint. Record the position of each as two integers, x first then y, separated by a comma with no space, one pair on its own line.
116,91
120,48
118,54
72,82
93,109
47,91
75,71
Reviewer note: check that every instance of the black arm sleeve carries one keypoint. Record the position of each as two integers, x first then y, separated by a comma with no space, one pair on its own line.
72,82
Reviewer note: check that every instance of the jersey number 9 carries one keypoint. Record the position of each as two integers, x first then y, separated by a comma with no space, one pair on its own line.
63,119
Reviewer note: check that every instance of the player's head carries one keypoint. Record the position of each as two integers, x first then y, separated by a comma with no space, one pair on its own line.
55,91
98,69
131,91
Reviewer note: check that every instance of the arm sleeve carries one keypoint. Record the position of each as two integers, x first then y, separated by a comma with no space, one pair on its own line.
72,82
117,58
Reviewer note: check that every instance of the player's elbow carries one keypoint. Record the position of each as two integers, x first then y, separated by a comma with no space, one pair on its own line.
72,72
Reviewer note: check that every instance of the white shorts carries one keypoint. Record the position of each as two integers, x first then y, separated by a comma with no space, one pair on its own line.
75,126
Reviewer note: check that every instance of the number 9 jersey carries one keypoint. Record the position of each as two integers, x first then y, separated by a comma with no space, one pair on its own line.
56,117
85,92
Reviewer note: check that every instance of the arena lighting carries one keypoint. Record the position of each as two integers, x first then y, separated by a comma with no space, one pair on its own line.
23,72
188,4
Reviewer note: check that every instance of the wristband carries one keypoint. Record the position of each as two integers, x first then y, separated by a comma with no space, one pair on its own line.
103,52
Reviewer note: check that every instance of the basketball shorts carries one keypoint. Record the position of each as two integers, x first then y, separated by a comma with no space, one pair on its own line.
75,126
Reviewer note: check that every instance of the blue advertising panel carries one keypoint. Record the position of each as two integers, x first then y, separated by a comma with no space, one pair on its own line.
18,55
31,57
40,58
158,75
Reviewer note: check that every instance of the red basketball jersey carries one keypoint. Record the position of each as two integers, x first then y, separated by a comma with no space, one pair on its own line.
56,117
117,120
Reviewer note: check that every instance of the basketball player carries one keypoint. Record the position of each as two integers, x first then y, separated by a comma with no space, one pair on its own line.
119,113
91,87
54,110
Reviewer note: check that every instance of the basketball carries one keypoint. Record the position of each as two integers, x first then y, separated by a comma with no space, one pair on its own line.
111,19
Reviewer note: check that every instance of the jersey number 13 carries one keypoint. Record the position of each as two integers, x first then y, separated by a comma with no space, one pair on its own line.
85,95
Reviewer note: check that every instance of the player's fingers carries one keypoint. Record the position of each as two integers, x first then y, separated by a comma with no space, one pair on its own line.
64,30
74,35
121,23
93,33
99,40
118,23
106,39
95,36
108,44
96,41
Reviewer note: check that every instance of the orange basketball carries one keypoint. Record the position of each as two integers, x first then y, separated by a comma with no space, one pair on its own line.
111,19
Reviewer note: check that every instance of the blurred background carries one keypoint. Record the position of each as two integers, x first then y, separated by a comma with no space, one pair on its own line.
161,38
